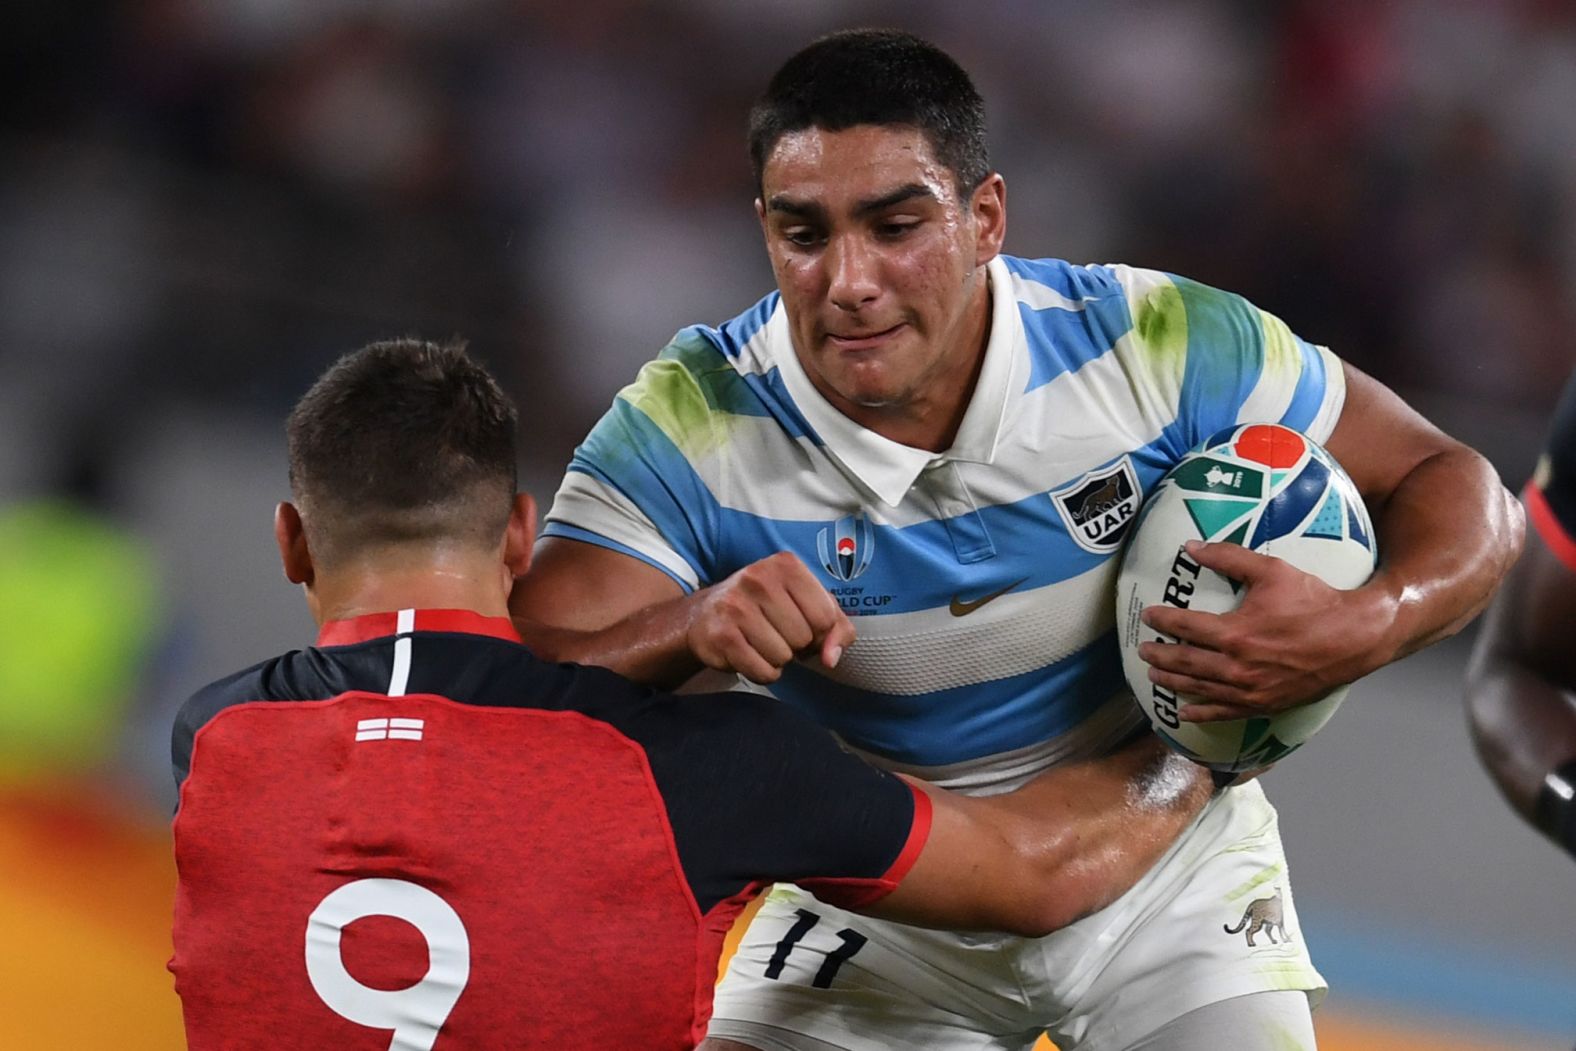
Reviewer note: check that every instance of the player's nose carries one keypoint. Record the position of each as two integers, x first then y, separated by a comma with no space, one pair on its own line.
852,273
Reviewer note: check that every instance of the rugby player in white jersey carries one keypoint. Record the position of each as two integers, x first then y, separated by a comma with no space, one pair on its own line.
893,491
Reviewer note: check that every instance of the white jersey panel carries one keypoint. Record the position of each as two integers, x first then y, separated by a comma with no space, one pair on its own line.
1096,381
1014,633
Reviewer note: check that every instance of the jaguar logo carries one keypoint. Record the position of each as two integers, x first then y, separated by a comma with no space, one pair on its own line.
1099,507
1263,915
1102,499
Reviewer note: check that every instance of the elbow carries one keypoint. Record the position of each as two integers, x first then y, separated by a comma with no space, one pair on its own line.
1048,908
1515,528
1043,920
1076,876
1054,892
1508,528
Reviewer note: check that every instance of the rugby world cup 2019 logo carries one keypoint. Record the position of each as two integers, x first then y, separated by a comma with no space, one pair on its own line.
1099,507
845,546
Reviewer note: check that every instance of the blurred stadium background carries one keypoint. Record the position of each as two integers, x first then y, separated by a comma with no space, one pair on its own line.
203,202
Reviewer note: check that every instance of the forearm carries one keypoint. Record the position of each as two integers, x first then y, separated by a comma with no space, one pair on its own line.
1085,833
1447,534
649,646
593,605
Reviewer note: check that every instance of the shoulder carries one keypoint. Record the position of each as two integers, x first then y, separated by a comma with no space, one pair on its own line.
1093,281
692,382
1115,298
711,353
260,682
734,339
1082,284
677,386
1079,283
1170,312
592,691
706,380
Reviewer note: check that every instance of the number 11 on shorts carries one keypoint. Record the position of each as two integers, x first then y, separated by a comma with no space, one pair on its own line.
852,941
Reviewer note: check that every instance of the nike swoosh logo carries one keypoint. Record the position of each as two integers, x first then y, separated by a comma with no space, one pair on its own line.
960,608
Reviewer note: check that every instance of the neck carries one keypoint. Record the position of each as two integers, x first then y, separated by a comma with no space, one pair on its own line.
441,581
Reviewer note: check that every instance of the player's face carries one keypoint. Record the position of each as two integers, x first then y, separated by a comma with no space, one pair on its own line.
881,269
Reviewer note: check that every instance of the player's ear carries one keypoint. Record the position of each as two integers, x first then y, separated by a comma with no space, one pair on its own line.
291,538
988,205
520,535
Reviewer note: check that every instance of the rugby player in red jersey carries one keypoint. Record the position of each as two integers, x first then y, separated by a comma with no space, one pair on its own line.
415,834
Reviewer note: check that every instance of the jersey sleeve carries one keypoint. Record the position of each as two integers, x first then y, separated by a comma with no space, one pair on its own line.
633,486
1551,493
1206,360
758,793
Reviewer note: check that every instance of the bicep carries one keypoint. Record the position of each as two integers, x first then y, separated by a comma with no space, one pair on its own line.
580,586
1379,438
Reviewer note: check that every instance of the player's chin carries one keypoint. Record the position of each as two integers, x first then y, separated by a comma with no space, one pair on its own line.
869,387
875,399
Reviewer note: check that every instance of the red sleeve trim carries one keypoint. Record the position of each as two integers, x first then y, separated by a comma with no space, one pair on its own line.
1549,526
853,893
918,834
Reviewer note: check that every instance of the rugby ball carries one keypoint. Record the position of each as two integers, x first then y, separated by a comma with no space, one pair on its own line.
1270,489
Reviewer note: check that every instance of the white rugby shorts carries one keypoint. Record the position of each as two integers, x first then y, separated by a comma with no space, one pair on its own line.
1177,941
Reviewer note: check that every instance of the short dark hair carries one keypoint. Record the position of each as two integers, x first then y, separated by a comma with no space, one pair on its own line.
876,76
402,441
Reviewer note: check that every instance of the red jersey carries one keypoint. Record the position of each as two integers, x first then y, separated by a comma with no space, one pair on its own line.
415,835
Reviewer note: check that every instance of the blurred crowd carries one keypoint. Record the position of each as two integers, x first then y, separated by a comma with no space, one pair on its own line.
202,202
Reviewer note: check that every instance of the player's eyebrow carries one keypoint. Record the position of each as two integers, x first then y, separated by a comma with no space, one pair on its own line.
811,210
796,208
907,191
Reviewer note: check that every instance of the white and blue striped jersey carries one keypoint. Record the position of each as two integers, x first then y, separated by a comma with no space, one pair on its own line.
984,576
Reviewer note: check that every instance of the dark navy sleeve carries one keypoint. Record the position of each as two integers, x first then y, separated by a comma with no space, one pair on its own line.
1551,495
757,793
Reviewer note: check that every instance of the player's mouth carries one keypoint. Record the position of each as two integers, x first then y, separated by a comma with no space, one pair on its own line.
864,340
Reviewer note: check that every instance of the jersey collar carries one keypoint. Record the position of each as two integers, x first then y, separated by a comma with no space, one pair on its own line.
887,468
405,621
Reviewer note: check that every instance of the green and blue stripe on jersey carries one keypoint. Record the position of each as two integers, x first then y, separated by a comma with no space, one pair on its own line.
707,463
